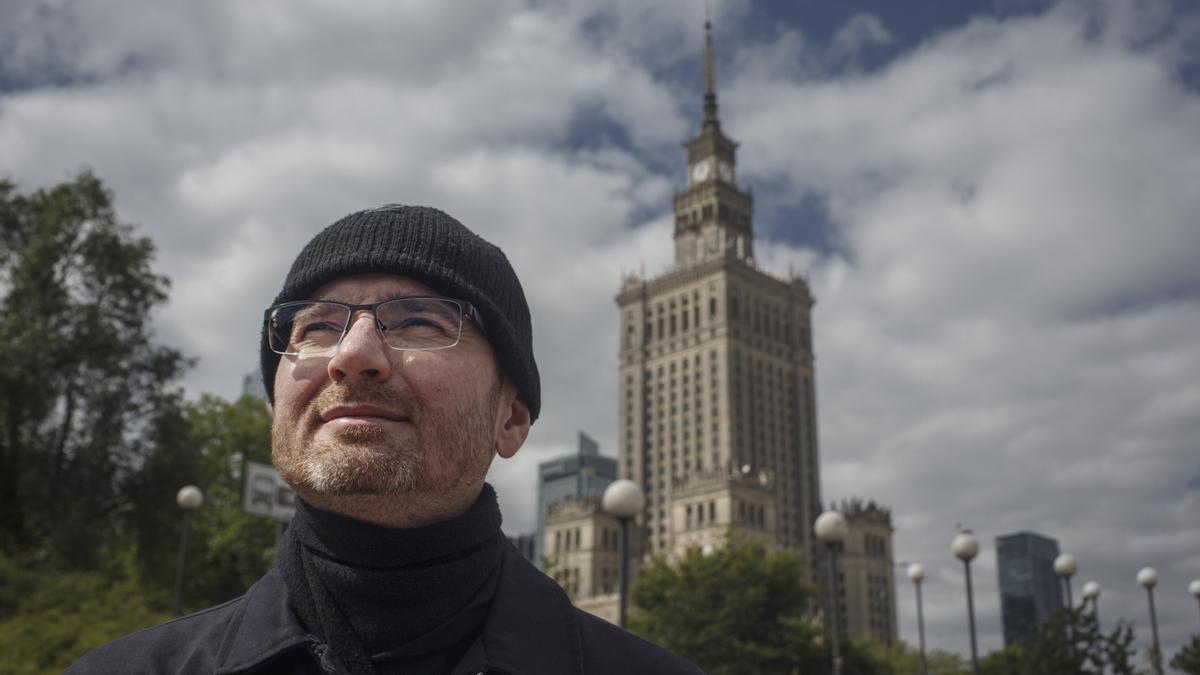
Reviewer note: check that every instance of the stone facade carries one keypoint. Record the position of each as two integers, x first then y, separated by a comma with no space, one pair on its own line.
867,582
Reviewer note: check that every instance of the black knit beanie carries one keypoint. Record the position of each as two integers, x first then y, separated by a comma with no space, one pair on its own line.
437,250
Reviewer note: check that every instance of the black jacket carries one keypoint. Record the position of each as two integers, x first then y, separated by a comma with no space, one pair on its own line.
531,629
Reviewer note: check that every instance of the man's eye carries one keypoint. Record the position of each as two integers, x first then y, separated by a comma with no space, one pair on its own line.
309,328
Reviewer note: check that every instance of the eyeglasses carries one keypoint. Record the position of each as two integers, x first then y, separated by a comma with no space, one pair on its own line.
412,323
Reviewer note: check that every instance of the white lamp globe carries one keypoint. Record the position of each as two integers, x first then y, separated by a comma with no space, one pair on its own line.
1065,565
1194,587
1148,577
623,498
189,498
1091,590
964,547
916,572
831,527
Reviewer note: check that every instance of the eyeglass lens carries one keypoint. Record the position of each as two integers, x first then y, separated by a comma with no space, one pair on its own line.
405,323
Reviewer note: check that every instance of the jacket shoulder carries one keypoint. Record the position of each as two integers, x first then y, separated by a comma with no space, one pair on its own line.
609,649
187,644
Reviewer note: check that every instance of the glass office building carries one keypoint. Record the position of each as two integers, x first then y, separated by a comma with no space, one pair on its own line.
1029,589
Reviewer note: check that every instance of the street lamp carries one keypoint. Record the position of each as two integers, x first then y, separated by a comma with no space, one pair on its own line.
916,572
831,529
1148,577
1066,567
624,500
1091,591
189,498
965,548
1194,589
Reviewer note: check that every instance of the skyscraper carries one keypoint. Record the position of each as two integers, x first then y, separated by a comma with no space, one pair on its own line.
717,409
580,476
1029,589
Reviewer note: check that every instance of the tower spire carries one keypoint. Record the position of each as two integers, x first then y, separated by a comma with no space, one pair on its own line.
710,93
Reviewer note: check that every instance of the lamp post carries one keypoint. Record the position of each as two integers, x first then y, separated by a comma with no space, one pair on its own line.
1148,577
1066,567
916,572
189,498
1194,589
831,529
1091,591
965,548
624,500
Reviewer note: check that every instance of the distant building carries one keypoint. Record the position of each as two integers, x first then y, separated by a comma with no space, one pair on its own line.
525,543
867,583
580,549
716,401
1029,589
579,476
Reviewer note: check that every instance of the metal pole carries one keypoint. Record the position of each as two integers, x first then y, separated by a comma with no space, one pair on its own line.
971,619
833,607
623,581
1070,618
183,539
1096,612
921,629
1156,657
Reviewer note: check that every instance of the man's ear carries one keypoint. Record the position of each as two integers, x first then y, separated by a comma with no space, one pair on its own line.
512,421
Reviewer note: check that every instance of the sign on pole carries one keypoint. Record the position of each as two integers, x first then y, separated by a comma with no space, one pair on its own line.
267,494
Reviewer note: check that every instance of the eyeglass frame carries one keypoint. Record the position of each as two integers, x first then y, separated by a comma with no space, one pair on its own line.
465,310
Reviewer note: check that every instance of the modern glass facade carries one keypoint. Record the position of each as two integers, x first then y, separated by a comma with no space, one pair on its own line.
1029,589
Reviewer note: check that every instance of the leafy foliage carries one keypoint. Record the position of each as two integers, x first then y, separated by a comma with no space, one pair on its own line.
95,442
81,369
1070,641
738,610
904,659
1187,659
48,619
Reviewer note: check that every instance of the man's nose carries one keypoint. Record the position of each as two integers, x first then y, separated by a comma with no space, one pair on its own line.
362,352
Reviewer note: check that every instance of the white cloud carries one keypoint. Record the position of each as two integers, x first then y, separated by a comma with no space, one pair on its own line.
1007,337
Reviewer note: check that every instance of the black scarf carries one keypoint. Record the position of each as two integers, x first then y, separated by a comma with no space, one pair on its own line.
377,597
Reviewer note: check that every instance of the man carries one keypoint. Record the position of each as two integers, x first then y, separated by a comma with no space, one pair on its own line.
399,361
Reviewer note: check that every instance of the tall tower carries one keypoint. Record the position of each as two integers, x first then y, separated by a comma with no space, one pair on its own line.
1029,589
716,399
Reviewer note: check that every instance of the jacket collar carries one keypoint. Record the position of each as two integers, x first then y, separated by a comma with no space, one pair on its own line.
531,626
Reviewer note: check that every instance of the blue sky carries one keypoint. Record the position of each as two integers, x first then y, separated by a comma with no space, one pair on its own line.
994,204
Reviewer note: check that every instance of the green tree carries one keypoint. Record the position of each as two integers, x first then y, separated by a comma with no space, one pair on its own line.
1187,659
903,659
738,610
205,443
1070,641
48,618
81,369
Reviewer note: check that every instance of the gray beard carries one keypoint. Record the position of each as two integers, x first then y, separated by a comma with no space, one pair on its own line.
451,448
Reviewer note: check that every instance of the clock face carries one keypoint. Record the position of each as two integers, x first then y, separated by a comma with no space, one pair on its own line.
725,171
700,171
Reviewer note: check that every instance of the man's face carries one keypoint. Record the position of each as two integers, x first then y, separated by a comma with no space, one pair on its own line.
369,419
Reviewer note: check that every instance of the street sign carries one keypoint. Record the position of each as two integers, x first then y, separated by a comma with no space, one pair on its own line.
267,494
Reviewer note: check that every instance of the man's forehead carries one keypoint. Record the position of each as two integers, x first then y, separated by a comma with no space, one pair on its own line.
370,287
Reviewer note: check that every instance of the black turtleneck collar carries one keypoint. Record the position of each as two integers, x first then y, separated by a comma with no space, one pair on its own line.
355,542
381,597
